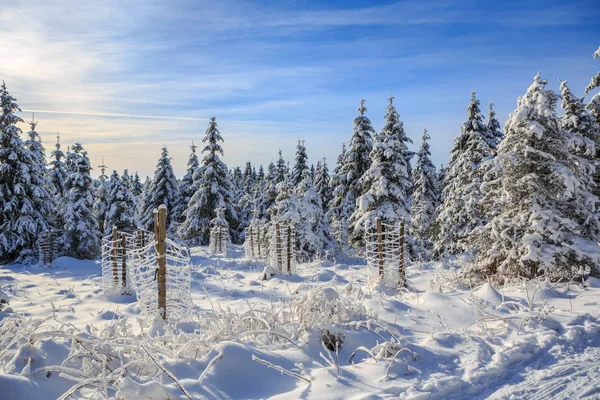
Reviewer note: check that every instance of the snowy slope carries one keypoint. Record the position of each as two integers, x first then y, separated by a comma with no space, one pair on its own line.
438,340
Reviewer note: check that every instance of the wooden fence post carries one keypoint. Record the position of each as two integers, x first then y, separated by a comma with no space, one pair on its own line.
289,249
401,269
251,242
380,247
123,260
161,247
278,248
115,249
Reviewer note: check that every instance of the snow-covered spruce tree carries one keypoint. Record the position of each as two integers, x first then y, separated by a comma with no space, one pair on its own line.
312,230
425,199
186,188
214,188
594,81
353,166
57,173
386,182
24,200
261,174
101,202
338,208
459,213
281,169
137,186
585,147
301,163
322,183
164,189
72,161
245,203
39,174
494,128
268,195
535,232
121,205
82,239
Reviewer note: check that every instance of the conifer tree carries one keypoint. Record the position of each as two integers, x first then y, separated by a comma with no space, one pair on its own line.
386,183
39,174
58,173
268,195
186,188
121,205
82,238
301,164
214,188
494,128
580,122
101,197
534,232
311,229
582,128
280,169
24,201
322,183
460,213
425,198
137,187
261,174
336,209
163,190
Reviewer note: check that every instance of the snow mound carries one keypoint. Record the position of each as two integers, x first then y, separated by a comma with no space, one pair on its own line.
488,293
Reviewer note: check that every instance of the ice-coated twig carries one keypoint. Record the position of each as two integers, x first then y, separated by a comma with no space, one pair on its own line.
280,369
167,372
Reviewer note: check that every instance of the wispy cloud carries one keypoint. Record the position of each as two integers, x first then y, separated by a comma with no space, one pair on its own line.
126,77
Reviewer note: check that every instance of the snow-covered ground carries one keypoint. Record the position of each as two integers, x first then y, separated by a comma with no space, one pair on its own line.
440,339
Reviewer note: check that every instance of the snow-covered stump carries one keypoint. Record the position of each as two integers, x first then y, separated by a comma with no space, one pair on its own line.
161,275
115,258
385,252
47,246
282,255
253,246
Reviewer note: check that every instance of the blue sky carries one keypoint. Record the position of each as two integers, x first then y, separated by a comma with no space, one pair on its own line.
126,79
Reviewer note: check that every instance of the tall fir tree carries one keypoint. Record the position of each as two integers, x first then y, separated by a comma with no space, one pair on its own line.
24,200
460,213
425,199
580,122
594,104
534,232
336,208
386,184
268,195
311,229
138,187
280,169
301,163
82,239
494,128
214,188
186,188
121,205
164,189
58,173
322,179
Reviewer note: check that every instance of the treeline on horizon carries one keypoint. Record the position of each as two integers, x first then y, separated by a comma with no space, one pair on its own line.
522,201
